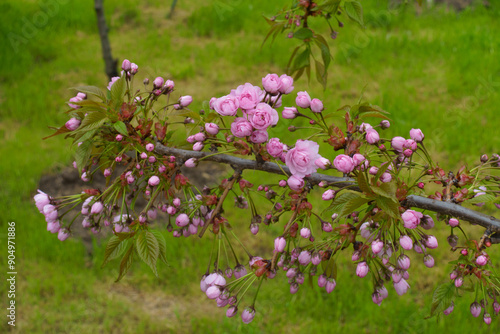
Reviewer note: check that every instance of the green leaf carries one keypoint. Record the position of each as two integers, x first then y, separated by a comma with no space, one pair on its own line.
126,262
442,298
162,245
373,114
185,113
389,206
276,28
342,199
325,50
303,33
355,11
114,249
330,6
352,205
288,66
330,268
91,90
486,198
82,154
363,184
121,128
321,74
302,60
93,120
381,171
117,92
386,190
148,249
61,130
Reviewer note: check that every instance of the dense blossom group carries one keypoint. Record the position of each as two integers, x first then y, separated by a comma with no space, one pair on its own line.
368,215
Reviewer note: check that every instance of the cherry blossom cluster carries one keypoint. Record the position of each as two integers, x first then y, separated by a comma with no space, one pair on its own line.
365,181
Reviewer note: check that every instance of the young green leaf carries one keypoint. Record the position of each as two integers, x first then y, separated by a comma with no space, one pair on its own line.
148,249
355,11
442,298
126,262
162,245
121,128
91,90
114,249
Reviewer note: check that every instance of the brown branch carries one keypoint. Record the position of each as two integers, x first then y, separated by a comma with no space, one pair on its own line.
228,187
454,210
110,63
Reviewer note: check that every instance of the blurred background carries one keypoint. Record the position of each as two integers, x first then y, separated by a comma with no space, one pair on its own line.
435,67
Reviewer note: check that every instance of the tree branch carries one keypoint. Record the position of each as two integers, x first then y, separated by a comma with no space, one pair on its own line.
454,210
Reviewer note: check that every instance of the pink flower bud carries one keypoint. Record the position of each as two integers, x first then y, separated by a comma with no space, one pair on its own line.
126,65
41,200
397,143
362,269
404,262
282,183
158,82
191,163
303,100
150,147
328,195
304,258
295,183
373,170
453,222
322,281
459,281
322,163
406,242
97,208
475,309
316,105
286,85
330,285
182,220
449,309
259,136
184,101
212,128
386,177
429,261
385,124
481,260
377,246
247,315
63,234
271,83
487,319
279,244
289,112
200,136
305,233
198,146
431,242
254,228
344,163
154,181
411,218
401,287
213,292
372,136
72,124
134,68
358,159
417,135
231,312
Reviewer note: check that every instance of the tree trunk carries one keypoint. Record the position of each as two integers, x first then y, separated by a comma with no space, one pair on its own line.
110,63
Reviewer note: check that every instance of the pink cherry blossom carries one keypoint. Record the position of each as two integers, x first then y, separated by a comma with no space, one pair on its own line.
300,160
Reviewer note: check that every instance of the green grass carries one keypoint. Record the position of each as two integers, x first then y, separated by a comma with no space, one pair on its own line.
428,70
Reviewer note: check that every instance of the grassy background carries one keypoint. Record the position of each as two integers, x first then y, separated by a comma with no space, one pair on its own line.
438,70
